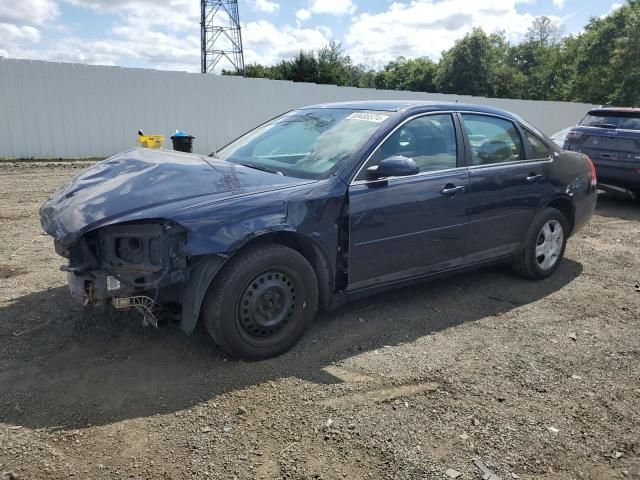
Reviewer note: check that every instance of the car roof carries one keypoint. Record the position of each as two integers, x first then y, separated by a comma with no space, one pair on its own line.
406,105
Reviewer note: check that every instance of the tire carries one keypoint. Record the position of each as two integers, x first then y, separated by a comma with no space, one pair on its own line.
544,246
262,302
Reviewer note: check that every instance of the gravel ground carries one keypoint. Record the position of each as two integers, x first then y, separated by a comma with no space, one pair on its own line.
538,380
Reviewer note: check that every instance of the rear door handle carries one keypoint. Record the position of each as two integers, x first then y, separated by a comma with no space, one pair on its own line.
533,178
452,190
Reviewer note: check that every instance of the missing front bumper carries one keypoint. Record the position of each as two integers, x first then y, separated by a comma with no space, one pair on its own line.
146,306
95,288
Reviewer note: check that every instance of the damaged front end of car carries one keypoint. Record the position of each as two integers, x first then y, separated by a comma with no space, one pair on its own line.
131,265
150,229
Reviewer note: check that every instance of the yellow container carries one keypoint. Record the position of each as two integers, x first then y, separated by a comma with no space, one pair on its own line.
151,141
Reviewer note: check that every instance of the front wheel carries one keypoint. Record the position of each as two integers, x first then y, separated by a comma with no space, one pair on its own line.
544,246
262,302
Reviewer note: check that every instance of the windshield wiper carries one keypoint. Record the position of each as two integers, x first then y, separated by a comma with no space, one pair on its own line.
261,168
604,125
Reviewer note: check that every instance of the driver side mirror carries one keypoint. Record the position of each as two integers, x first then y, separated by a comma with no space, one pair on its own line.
396,166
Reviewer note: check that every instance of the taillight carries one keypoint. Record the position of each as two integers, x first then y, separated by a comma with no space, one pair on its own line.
594,177
574,135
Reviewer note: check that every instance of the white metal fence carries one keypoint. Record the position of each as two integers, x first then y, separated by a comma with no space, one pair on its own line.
73,110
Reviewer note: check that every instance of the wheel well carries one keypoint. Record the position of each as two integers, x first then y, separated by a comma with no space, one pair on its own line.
566,208
308,250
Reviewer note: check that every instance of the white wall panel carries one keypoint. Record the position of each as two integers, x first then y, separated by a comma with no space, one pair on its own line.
72,110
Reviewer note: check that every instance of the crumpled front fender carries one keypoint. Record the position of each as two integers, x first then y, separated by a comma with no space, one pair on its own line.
196,288
228,226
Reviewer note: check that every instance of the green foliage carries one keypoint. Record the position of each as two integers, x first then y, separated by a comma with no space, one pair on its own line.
333,66
539,58
417,75
303,68
466,68
607,59
472,66
601,65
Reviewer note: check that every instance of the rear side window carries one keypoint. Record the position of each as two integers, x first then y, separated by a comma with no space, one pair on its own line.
538,147
612,119
493,140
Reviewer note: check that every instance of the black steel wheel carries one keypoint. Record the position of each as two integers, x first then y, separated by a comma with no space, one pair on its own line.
266,306
262,302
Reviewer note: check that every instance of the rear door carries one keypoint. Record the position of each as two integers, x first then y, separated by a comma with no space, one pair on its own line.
403,227
508,180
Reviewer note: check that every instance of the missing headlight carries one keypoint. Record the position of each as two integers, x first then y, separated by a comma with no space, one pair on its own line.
130,249
141,253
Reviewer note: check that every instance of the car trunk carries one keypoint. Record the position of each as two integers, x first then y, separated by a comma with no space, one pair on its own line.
606,144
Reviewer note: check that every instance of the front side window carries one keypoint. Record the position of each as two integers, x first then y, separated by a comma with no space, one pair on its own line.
493,140
538,147
308,143
430,141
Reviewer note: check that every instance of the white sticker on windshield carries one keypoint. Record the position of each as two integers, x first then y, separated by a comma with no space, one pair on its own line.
368,117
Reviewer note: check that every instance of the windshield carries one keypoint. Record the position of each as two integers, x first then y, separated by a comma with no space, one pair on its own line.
624,120
305,143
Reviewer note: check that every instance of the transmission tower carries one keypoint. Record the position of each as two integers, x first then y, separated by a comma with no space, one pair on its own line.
220,35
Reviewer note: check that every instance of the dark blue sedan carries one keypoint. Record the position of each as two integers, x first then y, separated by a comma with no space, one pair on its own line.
319,206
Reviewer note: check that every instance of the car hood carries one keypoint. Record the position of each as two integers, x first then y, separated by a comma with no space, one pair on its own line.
142,183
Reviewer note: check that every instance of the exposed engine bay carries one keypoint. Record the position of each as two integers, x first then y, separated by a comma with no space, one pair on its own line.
128,264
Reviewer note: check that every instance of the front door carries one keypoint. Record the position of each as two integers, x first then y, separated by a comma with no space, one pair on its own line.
403,227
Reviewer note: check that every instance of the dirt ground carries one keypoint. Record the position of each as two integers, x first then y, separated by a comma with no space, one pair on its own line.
538,380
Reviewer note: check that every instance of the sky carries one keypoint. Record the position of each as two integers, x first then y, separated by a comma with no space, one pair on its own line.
165,34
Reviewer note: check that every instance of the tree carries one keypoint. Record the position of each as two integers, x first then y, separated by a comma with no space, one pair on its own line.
509,82
538,57
303,68
470,66
333,65
600,65
607,59
362,77
417,75
625,61
545,32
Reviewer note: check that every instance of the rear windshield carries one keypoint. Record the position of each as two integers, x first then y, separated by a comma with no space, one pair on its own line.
625,120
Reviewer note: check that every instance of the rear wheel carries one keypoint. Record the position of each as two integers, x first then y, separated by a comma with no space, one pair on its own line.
544,246
262,302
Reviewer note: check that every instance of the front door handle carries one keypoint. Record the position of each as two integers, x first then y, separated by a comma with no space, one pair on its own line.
533,178
452,190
